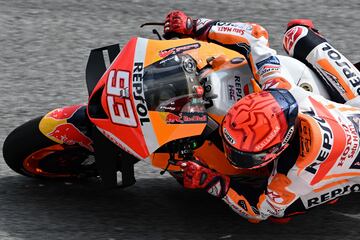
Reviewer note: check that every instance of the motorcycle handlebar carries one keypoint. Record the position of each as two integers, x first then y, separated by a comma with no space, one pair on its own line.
152,24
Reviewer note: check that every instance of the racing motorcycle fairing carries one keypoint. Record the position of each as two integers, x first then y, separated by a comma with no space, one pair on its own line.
155,92
149,95
114,106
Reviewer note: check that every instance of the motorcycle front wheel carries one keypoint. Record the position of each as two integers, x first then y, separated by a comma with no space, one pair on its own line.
28,152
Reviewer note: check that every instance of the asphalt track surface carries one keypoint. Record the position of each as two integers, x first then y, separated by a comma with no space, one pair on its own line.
43,51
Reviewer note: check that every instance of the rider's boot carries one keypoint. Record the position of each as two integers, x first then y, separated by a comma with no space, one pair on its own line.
303,42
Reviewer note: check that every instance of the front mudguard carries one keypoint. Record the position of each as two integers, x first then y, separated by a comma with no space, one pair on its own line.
68,125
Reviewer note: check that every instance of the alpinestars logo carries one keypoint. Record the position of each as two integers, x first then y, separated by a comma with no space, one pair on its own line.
244,49
291,37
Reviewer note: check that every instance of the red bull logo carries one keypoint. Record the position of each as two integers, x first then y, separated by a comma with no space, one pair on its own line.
173,118
186,117
70,135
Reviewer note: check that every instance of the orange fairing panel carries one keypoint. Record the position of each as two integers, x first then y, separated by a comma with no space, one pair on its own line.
166,132
213,157
199,50
216,160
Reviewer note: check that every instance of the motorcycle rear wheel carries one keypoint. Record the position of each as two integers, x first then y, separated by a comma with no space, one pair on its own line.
28,152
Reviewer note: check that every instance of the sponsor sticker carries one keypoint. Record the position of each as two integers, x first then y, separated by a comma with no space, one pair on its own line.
355,164
201,22
315,199
228,136
138,93
268,139
236,207
291,37
326,146
343,66
270,68
351,148
186,117
70,135
272,60
235,89
175,50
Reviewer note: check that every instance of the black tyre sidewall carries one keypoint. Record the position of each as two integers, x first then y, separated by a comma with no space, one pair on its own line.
23,141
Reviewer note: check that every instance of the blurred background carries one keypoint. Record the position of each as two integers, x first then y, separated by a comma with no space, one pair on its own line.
44,48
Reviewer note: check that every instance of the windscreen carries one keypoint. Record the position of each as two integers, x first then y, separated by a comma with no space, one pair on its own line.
170,85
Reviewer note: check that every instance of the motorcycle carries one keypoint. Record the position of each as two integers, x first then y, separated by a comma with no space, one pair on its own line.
160,101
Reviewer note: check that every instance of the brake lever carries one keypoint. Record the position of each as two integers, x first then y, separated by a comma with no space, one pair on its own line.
154,31
171,161
157,33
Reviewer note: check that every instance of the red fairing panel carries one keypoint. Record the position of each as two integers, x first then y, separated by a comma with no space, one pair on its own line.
128,124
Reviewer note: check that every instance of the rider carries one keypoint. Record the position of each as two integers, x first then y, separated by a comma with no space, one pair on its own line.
322,163
312,143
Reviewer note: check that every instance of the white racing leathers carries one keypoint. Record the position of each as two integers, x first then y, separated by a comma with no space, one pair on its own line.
322,163
340,75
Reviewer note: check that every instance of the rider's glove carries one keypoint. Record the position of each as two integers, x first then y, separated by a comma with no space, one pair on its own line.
197,175
178,24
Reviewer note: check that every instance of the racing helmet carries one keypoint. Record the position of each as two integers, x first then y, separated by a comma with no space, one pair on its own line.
257,129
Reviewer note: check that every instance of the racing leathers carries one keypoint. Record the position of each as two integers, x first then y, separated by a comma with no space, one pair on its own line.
341,77
322,162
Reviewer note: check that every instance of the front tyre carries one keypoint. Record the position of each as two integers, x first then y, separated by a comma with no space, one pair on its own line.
28,152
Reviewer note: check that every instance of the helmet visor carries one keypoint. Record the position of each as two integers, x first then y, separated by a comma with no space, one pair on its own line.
248,160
